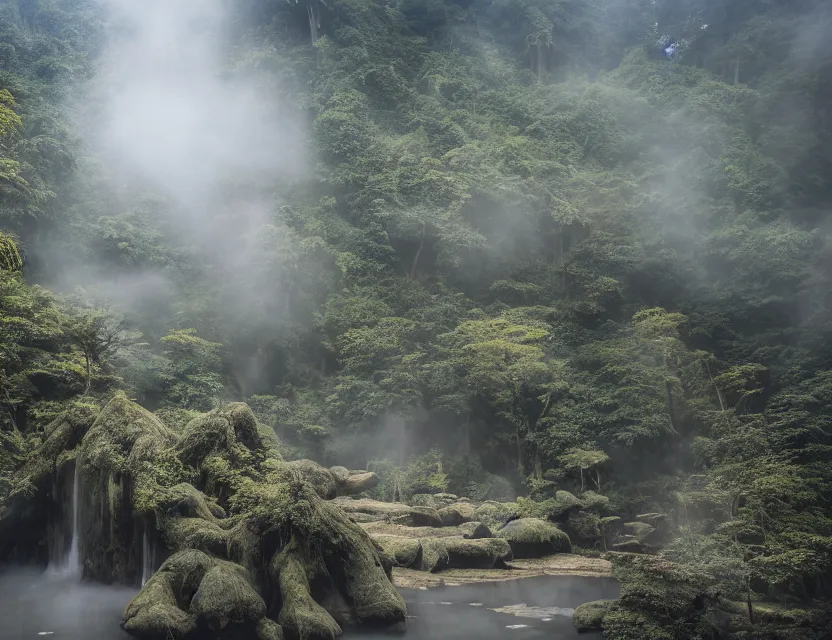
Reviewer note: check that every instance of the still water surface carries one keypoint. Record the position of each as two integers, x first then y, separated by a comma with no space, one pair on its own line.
42,607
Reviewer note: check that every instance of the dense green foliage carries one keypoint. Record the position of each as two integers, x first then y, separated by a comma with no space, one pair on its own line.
532,240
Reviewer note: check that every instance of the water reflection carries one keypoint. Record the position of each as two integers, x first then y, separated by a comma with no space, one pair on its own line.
37,605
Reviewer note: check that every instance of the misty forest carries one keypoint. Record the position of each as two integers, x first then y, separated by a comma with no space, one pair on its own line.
303,302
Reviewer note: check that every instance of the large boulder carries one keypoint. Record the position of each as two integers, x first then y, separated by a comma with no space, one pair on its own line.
475,530
489,553
455,514
533,538
321,479
405,552
496,514
335,481
193,593
434,555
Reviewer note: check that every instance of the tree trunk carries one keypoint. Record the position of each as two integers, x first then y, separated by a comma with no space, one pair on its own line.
750,607
582,479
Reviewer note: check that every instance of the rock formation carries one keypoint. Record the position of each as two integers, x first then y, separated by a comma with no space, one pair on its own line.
251,547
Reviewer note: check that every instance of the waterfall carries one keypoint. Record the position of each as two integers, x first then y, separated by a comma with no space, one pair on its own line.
74,560
314,21
69,565
148,558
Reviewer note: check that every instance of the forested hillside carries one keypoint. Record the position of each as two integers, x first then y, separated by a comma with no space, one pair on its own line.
499,248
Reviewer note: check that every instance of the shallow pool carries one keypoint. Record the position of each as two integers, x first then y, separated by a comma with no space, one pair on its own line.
34,605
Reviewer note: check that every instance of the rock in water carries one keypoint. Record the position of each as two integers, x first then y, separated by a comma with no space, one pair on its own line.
533,538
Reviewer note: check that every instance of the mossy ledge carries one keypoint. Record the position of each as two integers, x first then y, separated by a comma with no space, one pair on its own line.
249,547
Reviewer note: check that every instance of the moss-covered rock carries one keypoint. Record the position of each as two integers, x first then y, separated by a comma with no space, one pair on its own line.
475,530
434,555
357,482
268,630
193,591
194,533
486,553
300,615
533,538
450,517
226,597
496,514
467,510
405,552
322,479
433,500
455,514
239,521
393,511
590,615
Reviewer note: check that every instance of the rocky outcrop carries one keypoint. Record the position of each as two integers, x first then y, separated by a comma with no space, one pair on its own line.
455,514
252,547
496,514
486,553
405,552
368,510
533,538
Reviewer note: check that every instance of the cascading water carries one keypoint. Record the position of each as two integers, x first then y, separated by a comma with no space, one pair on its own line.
70,565
73,564
148,558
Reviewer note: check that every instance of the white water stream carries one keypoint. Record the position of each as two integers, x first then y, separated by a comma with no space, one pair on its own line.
148,559
70,565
